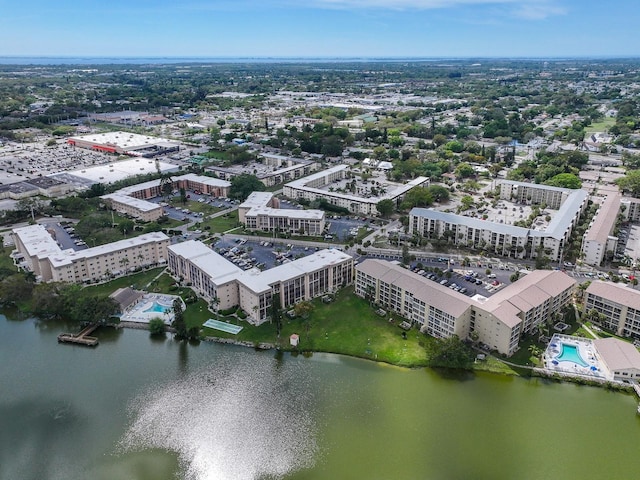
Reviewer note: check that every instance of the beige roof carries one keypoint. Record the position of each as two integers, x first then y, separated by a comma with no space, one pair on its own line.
605,219
528,292
615,292
617,354
432,293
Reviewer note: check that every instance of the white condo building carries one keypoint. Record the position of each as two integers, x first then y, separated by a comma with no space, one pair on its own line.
260,211
38,252
619,305
217,279
508,240
310,188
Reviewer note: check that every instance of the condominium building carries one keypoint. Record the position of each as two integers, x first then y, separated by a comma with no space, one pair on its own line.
502,239
220,281
440,311
599,238
534,194
310,188
275,169
132,200
521,308
499,321
38,252
260,211
133,207
619,306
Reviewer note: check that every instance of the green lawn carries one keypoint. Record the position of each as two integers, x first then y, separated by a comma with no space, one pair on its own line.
219,224
137,280
6,263
194,206
348,326
601,126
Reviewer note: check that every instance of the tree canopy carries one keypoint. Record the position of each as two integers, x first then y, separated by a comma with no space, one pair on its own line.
630,182
385,207
243,185
565,180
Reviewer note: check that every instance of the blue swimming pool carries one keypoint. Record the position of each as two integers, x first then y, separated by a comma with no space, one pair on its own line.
570,353
156,307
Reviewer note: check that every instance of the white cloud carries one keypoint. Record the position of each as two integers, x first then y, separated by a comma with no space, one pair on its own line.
528,9
539,10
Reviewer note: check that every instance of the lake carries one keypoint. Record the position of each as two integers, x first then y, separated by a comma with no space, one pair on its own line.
138,408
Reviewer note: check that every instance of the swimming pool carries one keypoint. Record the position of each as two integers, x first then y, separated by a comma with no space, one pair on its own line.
570,353
156,307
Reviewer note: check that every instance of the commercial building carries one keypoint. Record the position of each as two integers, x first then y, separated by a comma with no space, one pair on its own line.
508,240
125,143
499,321
618,305
220,281
38,252
599,238
260,211
310,188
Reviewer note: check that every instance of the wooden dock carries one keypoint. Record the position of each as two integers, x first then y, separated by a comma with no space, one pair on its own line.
82,338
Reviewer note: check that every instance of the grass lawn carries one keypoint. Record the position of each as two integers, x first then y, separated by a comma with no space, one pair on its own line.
601,126
6,261
137,280
219,224
348,326
194,206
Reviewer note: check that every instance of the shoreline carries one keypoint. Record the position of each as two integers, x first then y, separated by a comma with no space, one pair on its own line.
536,372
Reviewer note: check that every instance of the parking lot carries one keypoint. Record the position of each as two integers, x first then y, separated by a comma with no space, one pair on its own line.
64,234
260,254
196,207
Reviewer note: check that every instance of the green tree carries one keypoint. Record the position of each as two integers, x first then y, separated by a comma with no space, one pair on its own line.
565,180
243,185
179,323
276,312
449,352
464,170
630,182
417,197
439,193
126,226
157,327
303,309
385,207
466,202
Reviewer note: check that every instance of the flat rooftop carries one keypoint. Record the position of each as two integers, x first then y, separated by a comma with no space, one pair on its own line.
120,170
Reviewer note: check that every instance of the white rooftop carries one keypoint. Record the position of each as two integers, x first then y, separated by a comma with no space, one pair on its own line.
68,256
124,140
222,271
115,171
37,241
258,281
141,205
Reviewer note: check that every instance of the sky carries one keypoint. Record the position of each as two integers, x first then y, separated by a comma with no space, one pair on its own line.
320,28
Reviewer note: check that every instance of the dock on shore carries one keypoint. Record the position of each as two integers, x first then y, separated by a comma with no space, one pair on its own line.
82,338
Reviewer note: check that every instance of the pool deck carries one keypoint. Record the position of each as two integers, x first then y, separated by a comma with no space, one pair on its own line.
586,350
137,313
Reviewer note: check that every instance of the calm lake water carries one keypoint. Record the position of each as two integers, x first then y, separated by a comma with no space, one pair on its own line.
135,408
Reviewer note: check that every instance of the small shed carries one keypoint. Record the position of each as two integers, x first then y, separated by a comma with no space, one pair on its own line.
294,339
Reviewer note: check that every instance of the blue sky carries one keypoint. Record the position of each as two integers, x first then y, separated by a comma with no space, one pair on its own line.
320,28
